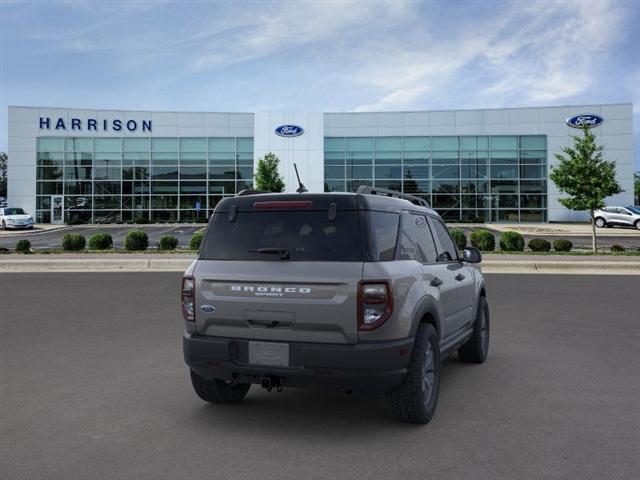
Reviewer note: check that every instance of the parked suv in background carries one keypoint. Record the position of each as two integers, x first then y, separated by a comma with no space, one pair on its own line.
15,218
352,291
623,216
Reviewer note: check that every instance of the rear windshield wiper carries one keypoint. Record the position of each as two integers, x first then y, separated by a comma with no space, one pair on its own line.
283,252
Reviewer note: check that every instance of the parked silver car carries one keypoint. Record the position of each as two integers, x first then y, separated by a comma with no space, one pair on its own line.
347,291
621,216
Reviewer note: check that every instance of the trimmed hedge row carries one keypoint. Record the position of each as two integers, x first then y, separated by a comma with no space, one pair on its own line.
483,240
167,242
101,241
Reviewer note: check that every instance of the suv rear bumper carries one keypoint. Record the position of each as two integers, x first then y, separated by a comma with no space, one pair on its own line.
365,367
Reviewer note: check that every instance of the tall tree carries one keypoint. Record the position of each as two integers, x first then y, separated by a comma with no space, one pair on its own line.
636,188
267,178
3,174
585,177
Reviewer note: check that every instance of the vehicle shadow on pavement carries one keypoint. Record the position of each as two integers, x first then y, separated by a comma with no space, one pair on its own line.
313,412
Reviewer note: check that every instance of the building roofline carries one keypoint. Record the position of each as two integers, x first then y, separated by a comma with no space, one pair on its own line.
328,112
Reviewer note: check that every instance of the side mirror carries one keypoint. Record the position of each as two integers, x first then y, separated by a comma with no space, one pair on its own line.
471,255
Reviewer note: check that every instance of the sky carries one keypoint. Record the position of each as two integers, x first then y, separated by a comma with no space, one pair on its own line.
318,55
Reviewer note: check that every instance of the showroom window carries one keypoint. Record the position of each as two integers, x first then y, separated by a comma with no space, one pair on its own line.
128,179
466,178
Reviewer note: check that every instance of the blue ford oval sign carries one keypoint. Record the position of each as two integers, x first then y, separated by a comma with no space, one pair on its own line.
289,131
587,120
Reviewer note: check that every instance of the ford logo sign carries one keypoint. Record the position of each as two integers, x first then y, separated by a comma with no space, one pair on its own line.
289,131
587,120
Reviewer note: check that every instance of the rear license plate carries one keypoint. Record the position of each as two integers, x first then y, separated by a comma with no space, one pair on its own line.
269,353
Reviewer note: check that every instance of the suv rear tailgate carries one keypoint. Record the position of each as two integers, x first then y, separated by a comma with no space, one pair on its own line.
267,300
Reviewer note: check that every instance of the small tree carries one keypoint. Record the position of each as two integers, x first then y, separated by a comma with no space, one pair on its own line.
267,177
636,187
3,174
585,176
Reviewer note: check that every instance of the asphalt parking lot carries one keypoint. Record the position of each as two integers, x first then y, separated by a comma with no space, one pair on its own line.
94,386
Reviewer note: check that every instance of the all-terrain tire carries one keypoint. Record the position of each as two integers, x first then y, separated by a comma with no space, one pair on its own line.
415,400
218,391
477,347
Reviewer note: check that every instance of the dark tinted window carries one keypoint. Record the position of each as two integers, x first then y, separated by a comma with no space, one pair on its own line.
449,251
304,235
407,241
383,235
426,247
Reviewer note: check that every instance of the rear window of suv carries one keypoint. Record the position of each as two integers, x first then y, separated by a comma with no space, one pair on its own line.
304,236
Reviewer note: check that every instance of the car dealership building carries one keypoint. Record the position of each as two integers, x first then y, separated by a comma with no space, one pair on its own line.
471,165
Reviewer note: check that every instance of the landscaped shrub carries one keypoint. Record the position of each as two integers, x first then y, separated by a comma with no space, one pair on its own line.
511,242
23,246
101,241
167,242
73,242
141,220
483,240
136,240
617,248
562,245
196,240
539,245
459,237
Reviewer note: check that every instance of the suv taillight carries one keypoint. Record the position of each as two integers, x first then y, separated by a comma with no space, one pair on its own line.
375,303
187,295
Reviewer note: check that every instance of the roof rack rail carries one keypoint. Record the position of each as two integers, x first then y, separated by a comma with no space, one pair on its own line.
248,191
366,189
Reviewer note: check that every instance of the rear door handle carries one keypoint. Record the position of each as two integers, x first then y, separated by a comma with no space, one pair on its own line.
459,277
436,282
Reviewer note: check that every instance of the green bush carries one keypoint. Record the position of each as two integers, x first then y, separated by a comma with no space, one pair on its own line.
459,237
101,241
23,246
136,240
167,242
483,240
141,220
196,240
617,248
73,242
562,245
511,242
539,245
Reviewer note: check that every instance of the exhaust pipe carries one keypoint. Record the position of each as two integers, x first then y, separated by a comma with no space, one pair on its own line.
268,383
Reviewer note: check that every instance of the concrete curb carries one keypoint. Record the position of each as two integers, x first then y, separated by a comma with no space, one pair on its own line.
556,267
95,265
27,265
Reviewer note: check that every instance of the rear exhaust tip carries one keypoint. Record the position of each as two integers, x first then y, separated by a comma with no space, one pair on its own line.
265,382
269,383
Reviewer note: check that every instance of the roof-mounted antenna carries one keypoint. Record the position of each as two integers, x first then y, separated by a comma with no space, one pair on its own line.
301,188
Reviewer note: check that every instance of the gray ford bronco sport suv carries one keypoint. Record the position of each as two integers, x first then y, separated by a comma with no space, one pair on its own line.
357,291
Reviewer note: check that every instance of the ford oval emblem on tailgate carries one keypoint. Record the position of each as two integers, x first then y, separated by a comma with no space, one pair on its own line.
208,308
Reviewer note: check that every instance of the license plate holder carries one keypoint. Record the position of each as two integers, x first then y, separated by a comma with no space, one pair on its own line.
269,353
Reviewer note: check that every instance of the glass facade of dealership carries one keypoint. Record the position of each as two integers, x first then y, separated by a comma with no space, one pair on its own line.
498,178
466,178
110,180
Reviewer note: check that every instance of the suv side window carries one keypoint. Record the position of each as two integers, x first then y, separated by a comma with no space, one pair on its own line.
425,245
406,241
449,251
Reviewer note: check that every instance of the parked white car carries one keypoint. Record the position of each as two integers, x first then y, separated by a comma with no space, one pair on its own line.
15,218
622,216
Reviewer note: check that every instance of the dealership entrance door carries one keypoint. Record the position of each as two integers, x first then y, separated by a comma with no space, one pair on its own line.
57,209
